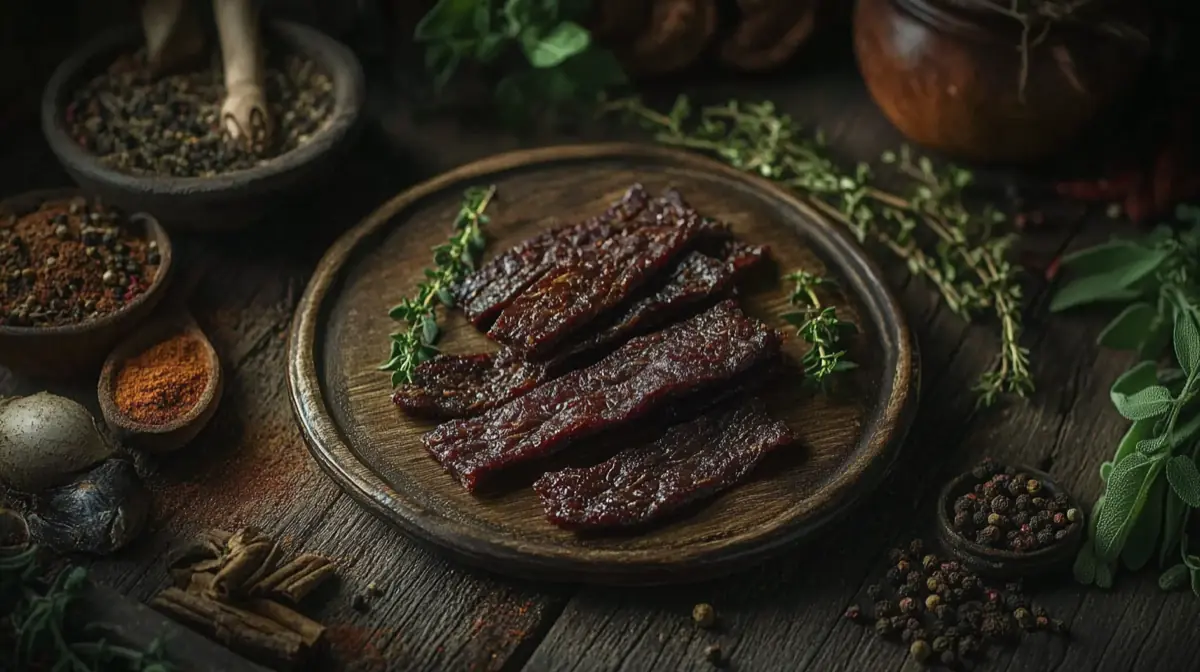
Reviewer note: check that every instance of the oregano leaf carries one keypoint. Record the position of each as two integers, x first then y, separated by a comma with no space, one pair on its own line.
1130,328
1128,486
1174,578
1147,403
1187,341
1184,479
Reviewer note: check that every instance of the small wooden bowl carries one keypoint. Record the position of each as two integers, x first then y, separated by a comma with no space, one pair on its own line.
222,202
171,436
57,352
1002,564
948,77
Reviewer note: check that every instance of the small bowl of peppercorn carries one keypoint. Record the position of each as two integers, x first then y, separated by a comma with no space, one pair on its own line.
160,142
1009,522
75,276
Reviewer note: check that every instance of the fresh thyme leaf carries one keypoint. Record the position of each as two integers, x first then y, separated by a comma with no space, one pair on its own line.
967,260
416,340
820,327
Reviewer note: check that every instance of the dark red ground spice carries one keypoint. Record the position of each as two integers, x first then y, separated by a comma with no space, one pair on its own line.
68,262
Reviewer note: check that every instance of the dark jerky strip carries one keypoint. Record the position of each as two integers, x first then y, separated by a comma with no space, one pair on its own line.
575,292
697,278
690,462
456,386
485,292
459,386
691,357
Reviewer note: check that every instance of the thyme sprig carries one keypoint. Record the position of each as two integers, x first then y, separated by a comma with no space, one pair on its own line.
966,258
36,619
819,326
416,340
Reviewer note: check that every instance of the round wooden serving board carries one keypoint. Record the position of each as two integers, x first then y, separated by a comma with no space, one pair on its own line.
374,451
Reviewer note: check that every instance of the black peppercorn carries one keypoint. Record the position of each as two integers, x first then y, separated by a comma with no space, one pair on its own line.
948,658
988,535
359,603
906,636
1022,502
1014,487
883,627
712,653
1061,534
916,547
979,518
906,591
962,520
1045,538
894,577
1000,504
945,614
964,504
990,490
1020,519
941,644
967,646
914,578
874,591
883,608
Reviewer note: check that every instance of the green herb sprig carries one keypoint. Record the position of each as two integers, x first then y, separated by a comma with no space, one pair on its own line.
959,251
416,341
36,620
1152,484
820,327
565,66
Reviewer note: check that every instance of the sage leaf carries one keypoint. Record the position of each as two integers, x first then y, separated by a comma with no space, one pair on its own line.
1105,471
564,41
1149,402
1128,486
1113,284
1084,568
1185,479
1174,518
1143,538
1187,341
1158,335
1130,329
1102,258
1136,379
1104,575
1139,431
1174,578
1152,446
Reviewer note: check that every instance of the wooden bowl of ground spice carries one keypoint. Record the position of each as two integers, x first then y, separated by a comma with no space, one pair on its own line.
156,143
161,386
75,276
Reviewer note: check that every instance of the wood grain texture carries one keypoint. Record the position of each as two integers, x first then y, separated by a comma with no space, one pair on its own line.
373,450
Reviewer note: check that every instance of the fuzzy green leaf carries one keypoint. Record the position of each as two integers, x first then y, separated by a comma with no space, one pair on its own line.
1143,538
1136,379
1158,335
1105,471
562,42
1175,517
1104,574
1187,341
1085,565
1148,403
1116,280
1174,578
1185,479
1128,487
1130,329
1101,258
1090,290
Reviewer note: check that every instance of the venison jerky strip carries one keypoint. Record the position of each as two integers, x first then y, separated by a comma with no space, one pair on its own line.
692,461
691,357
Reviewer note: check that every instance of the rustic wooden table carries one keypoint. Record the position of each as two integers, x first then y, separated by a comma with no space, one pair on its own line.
250,465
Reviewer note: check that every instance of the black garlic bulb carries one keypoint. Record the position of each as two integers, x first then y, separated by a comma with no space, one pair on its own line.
98,513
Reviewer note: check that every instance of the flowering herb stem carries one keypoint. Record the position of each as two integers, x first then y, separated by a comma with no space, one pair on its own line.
820,327
416,340
926,225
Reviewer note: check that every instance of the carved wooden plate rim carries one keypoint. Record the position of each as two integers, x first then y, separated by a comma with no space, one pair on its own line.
542,561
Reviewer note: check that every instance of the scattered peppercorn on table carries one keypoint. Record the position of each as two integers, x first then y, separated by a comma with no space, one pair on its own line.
399,606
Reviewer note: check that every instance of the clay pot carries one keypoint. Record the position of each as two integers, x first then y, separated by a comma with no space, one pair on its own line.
952,77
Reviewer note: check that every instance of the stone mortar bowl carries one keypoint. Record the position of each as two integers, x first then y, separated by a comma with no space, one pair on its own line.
226,201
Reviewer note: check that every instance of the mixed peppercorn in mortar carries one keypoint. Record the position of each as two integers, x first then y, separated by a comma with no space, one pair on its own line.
171,126
71,261
1011,510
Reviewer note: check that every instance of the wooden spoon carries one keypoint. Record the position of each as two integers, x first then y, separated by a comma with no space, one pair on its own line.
176,434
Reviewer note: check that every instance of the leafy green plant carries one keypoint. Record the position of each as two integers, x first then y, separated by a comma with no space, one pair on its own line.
959,251
416,341
819,326
565,65
35,618
1152,484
